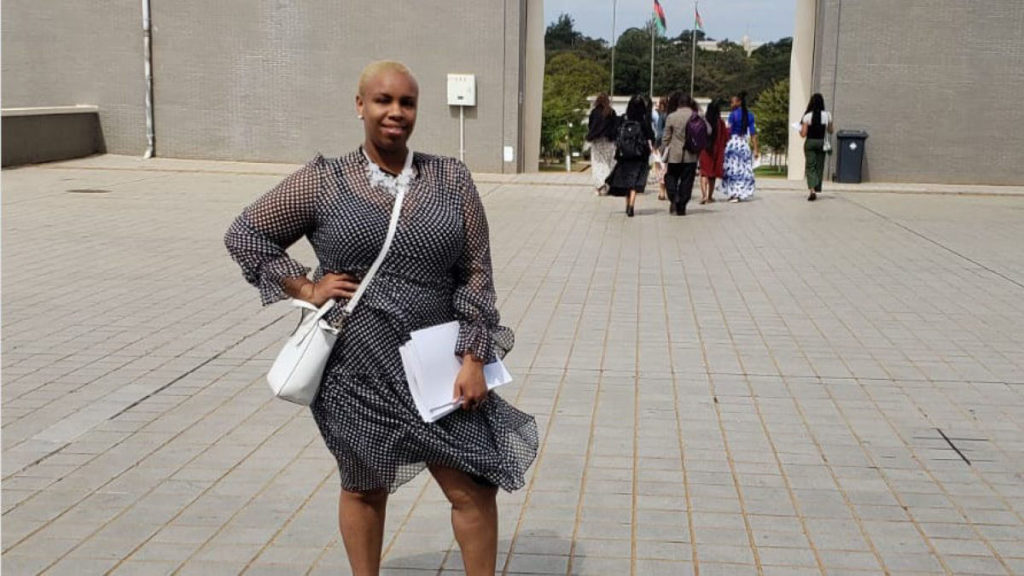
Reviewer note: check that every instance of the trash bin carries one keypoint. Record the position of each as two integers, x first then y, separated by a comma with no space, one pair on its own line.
850,155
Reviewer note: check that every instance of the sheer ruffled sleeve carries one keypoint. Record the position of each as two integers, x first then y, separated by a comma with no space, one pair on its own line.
474,297
259,237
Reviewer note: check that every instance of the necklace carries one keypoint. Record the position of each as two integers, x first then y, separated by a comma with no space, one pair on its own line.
388,182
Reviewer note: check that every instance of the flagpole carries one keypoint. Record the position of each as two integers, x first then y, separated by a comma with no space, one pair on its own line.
653,31
693,48
611,89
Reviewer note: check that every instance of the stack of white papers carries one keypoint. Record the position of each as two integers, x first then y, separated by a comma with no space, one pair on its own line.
431,367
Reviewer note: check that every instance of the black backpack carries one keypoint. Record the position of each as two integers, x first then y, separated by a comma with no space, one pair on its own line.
630,144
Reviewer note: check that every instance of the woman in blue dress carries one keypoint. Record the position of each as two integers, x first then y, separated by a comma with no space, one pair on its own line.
738,181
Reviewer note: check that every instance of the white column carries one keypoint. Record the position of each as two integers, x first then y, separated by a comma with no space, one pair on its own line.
800,73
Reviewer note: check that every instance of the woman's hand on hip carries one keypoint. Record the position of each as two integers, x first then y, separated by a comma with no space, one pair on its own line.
331,286
470,384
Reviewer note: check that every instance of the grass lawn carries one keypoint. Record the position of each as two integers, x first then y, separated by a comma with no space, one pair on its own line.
560,167
771,172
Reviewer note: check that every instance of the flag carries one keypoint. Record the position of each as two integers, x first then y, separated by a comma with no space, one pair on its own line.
659,17
698,22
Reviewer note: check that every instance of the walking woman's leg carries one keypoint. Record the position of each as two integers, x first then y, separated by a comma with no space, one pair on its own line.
685,187
672,176
703,189
711,189
822,159
361,517
812,166
474,519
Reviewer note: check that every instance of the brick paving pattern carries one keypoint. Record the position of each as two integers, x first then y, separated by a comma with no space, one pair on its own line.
772,388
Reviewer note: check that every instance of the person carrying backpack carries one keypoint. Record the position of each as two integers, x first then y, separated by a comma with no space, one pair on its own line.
633,144
686,134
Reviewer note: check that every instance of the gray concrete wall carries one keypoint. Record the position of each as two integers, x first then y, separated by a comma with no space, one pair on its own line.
274,81
936,83
67,53
265,80
32,139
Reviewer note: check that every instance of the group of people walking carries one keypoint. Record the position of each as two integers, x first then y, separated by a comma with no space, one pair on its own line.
683,143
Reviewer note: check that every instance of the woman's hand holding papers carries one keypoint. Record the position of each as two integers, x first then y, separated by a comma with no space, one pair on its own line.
470,385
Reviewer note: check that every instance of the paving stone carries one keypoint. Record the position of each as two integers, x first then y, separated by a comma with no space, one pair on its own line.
138,568
538,564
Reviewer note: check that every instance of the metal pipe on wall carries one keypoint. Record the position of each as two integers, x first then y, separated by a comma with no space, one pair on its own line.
147,43
832,160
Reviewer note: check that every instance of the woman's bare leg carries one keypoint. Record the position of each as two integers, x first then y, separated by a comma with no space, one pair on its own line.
474,519
711,189
361,518
703,189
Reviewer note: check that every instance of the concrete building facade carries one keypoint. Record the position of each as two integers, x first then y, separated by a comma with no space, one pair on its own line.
935,83
276,81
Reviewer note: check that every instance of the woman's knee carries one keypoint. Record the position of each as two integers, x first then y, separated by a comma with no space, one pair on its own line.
463,491
476,497
368,497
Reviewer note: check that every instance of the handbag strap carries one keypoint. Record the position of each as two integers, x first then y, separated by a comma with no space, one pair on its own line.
392,228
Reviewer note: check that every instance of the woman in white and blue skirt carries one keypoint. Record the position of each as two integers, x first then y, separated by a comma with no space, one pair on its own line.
738,181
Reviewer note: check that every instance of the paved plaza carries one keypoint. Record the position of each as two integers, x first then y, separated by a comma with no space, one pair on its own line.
772,388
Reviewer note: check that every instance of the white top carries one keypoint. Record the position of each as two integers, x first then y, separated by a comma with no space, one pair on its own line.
826,118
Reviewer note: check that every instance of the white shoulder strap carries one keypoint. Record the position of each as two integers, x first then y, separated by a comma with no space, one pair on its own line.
392,227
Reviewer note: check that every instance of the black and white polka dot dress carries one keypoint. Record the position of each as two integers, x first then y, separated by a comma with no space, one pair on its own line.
438,270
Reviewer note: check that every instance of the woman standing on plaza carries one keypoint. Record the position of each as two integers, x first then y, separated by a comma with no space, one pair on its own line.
712,158
601,135
738,170
633,151
815,126
438,269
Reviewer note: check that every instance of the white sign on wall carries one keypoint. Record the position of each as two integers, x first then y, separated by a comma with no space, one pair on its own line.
461,90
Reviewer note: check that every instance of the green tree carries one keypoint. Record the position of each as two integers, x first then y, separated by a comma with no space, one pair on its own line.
769,64
561,34
568,80
772,111
633,62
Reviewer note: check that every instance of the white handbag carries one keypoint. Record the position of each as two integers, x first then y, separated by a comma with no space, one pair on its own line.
296,373
299,367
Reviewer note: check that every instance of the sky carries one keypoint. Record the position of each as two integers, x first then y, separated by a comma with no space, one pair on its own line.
764,20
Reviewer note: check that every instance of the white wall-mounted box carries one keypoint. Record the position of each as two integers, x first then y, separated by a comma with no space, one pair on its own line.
461,90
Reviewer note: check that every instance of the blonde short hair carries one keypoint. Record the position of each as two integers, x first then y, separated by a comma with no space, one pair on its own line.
374,68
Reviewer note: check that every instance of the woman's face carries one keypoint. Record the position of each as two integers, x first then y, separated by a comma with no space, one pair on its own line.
388,108
734,103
